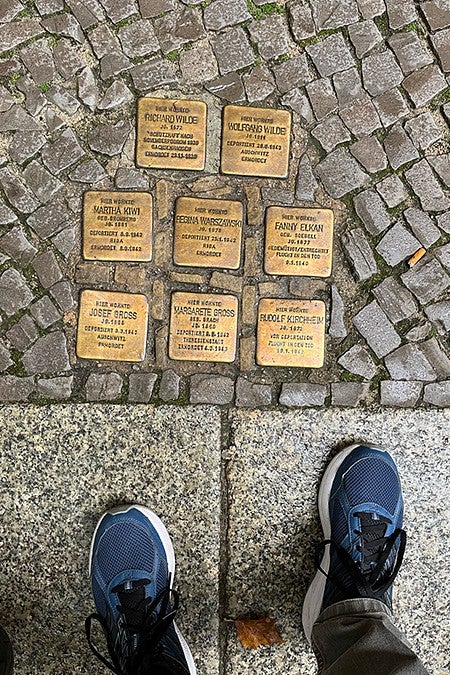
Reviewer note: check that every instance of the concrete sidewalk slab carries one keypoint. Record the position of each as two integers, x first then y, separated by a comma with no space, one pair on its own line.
276,461
60,468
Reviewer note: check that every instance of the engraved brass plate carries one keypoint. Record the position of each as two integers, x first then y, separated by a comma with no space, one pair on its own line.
171,134
117,226
299,241
112,326
255,141
291,333
208,233
203,327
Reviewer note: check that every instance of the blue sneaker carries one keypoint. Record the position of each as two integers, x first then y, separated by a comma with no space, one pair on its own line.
361,511
132,566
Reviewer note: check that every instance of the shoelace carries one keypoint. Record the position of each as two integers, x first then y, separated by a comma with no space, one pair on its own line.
371,578
146,623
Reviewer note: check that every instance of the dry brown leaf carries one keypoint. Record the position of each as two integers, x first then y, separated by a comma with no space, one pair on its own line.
254,633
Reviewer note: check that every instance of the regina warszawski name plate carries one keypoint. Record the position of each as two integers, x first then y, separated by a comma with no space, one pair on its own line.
203,327
208,232
299,241
112,326
255,141
291,333
171,134
117,226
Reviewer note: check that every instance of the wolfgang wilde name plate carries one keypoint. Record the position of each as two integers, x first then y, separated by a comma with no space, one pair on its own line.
299,241
291,333
117,226
171,134
112,326
208,232
255,141
203,327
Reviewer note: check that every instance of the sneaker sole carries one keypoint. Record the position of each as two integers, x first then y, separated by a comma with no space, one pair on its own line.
314,596
170,554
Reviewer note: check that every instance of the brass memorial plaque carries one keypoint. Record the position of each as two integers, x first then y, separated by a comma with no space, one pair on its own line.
255,141
112,326
291,333
208,233
299,241
117,226
171,134
203,327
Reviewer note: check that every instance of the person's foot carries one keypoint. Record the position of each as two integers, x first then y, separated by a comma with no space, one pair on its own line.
132,565
361,511
6,654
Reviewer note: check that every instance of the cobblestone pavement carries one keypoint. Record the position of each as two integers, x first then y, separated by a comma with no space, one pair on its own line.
367,83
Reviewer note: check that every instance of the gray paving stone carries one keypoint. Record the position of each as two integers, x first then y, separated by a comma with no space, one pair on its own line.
357,360
292,73
418,333
175,29
103,386
14,292
114,64
271,36
391,106
213,389
103,41
38,59
44,312
328,15
380,72
423,85
400,14
443,255
348,87
17,193
439,314
437,14
424,184
141,386
301,21
361,118
410,51
152,74
118,10
7,216
348,394
24,145
400,394
68,59
35,101
306,184
47,268
364,36
360,254
87,12
8,11
55,388
64,24
44,185
441,44
340,173
337,327
437,357
16,33
392,190
50,219
90,171
109,139
199,64
17,246
397,245
17,119
233,50
372,212
376,329
322,97
252,395
409,363
422,226
116,95
423,130
62,153
5,360
231,88
427,281
259,84
23,333
65,241
371,8
224,13
399,148
138,39
7,101
14,388
369,152
47,355
169,388
331,133
131,179
152,8
303,394
443,220
300,104
331,55
88,91
437,394
63,295
395,300
441,165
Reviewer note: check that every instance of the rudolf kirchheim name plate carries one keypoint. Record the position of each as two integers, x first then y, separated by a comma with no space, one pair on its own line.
203,327
255,141
171,134
117,226
112,326
291,333
208,232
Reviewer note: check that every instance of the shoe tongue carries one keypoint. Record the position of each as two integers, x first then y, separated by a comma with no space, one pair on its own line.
131,595
373,528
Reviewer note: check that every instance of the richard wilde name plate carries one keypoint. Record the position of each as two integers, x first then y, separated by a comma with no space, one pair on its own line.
299,241
255,141
171,134
112,326
208,232
203,327
291,333
117,226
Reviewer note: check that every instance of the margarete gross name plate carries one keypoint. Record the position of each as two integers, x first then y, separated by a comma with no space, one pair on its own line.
299,241
117,226
171,134
203,327
255,141
112,326
208,233
291,333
